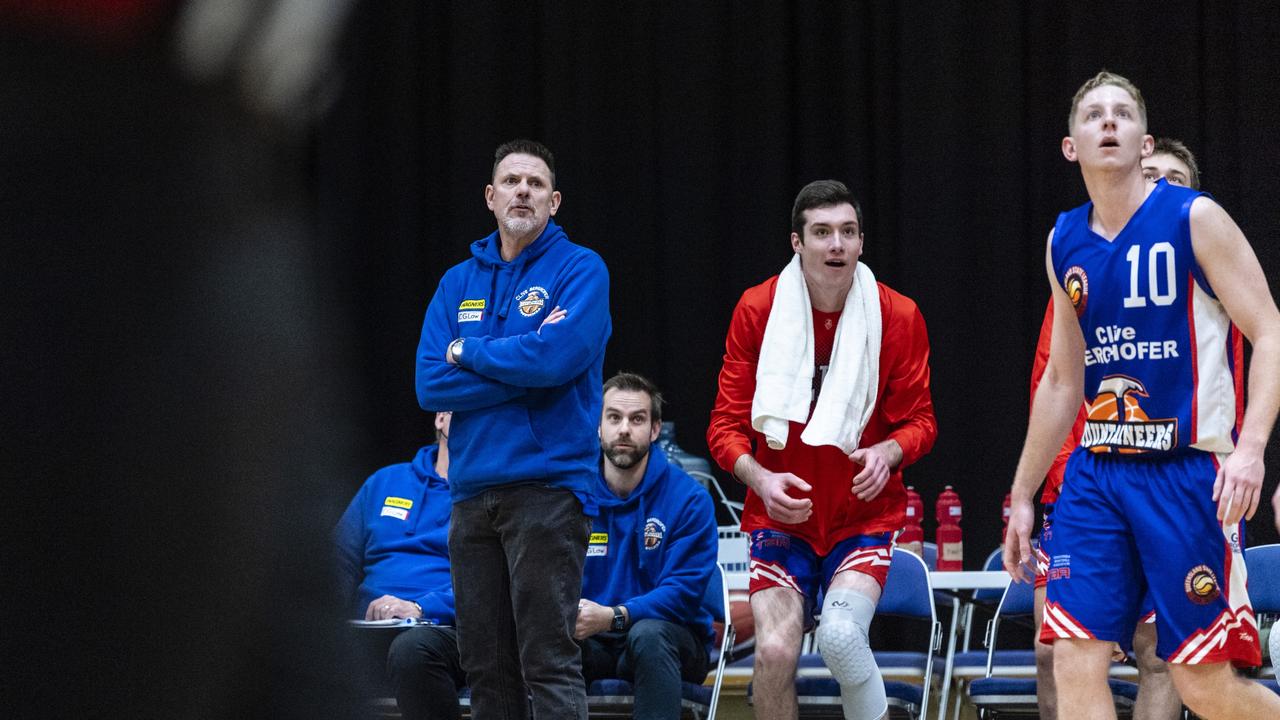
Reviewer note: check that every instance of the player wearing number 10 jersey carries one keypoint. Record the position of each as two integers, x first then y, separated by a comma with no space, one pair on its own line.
1147,281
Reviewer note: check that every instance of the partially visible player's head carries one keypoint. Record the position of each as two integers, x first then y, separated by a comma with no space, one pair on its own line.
1173,161
630,419
1108,126
826,231
1107,79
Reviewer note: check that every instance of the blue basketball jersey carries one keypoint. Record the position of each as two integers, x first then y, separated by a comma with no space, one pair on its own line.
1159,372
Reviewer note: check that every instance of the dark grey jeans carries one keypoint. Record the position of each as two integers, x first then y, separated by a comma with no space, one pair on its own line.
515,556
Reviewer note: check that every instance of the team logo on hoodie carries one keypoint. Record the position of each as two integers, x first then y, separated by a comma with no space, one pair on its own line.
531,300
654,531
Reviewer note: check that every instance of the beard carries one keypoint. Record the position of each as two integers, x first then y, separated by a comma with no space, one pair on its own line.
623,458
520,225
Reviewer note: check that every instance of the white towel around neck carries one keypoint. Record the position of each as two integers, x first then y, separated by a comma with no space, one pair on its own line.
784,373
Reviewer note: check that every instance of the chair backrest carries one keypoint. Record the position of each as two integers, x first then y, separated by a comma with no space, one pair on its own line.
909,593
994,561
734,508
1019,599
716,596
734,549
907,590
1263,563
930,551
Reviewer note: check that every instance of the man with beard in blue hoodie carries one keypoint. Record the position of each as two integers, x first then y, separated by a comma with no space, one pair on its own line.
513,342
393,560
652,551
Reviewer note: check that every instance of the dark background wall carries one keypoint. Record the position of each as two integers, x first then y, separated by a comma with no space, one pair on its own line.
683,131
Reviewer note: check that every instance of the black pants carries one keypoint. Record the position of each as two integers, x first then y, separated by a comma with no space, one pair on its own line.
516,556
426,673
654,656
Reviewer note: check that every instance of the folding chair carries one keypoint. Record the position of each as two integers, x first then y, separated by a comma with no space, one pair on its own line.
969,664
1004,696
614,697
907,593
733,506
1263,564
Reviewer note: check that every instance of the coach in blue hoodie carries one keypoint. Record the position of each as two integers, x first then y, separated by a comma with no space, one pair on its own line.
513,343
393,562
651,554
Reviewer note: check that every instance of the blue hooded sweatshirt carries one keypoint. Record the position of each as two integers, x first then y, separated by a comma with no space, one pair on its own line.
394,539
525,397
654,551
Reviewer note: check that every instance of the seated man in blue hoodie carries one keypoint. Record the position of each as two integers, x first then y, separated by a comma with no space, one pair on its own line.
393,561
651,553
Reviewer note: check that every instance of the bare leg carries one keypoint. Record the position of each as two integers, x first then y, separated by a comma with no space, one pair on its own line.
1080,670
1157,697
1215,692
1046,690
779,616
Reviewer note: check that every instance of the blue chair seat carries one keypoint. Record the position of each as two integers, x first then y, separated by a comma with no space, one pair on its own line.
1003,692
890,662
1014,694
973,663
613,690
1123,689
815,693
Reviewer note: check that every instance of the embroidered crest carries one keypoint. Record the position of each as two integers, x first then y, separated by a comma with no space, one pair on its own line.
1201,585
654,531
531,300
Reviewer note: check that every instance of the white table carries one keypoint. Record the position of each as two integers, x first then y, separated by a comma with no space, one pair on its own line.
961,580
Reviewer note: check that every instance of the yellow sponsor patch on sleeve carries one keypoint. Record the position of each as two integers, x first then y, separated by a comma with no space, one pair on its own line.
399,502
472,305
599,539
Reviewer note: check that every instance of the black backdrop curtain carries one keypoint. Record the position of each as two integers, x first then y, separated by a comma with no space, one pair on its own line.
682,132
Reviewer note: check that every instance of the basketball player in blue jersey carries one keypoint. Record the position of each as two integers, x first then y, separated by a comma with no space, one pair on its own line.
1147,281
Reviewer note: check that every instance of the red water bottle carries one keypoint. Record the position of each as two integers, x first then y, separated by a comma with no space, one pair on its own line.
1004,517
949,538
912,537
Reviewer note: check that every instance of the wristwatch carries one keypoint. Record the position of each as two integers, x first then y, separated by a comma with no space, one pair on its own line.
455,350
619,620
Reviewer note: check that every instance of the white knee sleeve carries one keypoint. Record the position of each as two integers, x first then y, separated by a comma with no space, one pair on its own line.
842,638
1273,644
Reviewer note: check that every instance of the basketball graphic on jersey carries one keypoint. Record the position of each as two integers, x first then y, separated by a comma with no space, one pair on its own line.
1116,421
1116,392
1076,284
